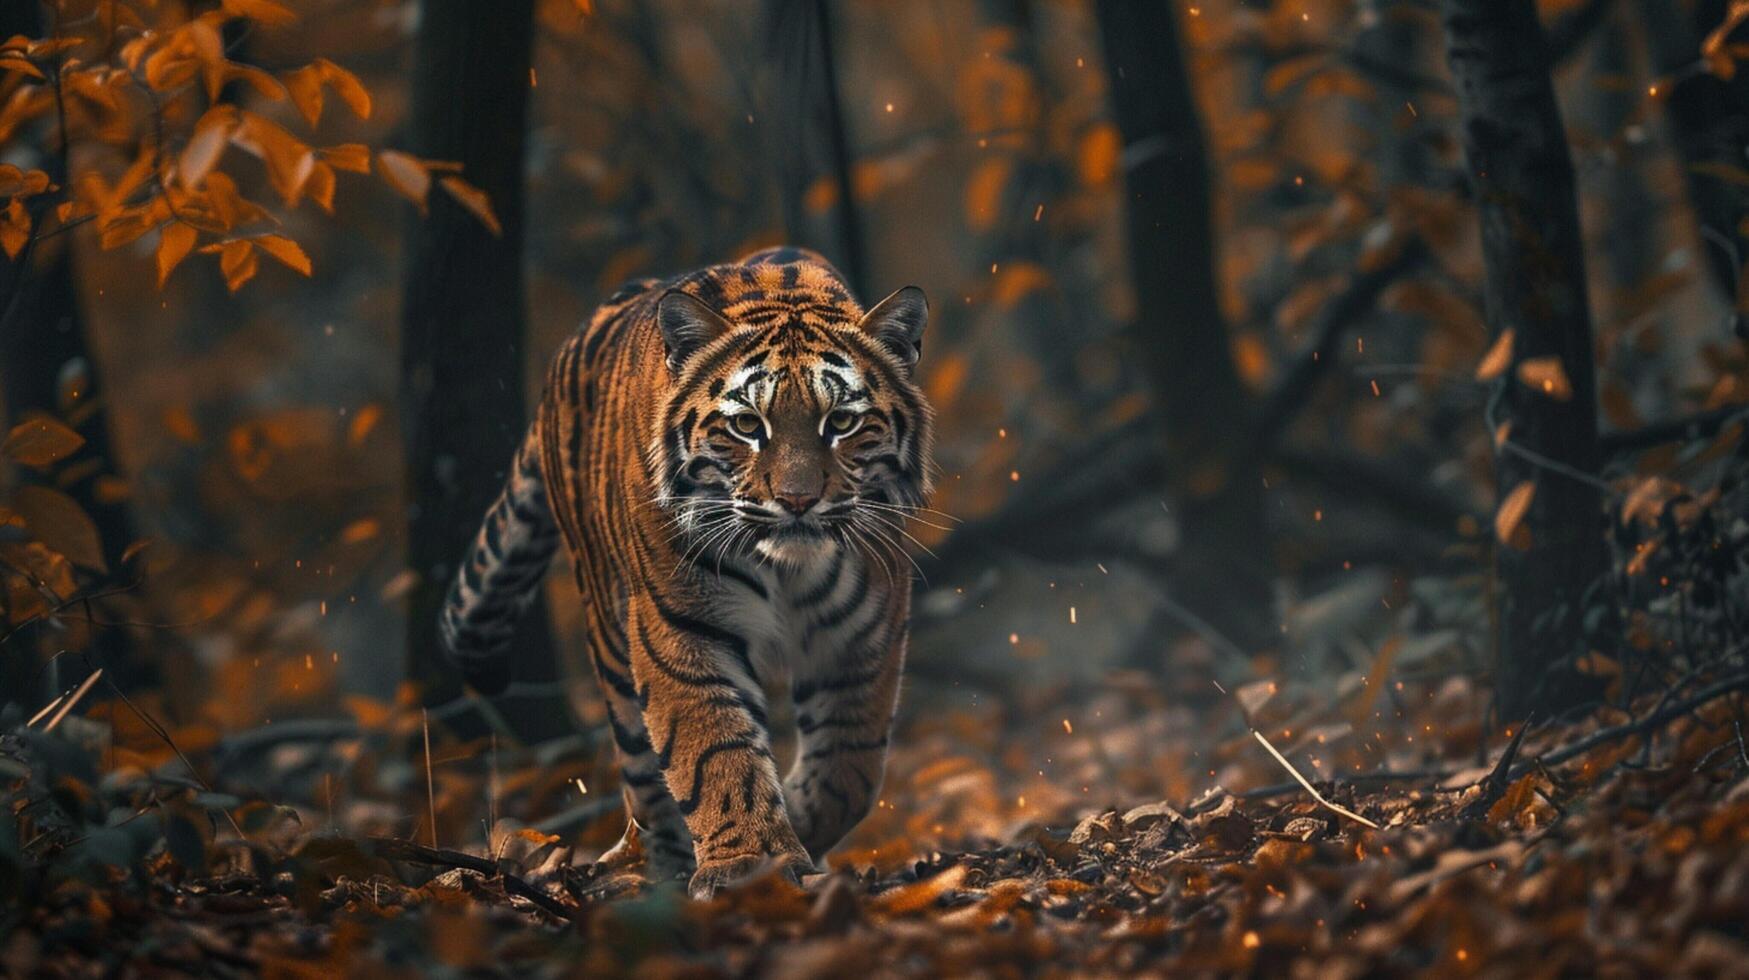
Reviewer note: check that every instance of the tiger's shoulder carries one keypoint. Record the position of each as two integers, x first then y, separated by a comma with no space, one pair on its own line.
748,291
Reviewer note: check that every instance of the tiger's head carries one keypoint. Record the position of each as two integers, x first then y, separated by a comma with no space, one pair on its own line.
792,426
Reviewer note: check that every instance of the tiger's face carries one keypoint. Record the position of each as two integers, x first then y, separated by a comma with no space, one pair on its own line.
785,440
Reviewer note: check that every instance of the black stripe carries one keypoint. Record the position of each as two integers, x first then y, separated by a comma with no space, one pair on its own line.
736,575
824,590
692,678
836,615
705,631
690,803
621,684
808,689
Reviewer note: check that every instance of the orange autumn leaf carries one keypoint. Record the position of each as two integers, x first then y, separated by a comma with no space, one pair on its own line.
305,87
288,252
821,195
407,174
14,228
1017,280
360,530
15,182
320,186
984,192
346,85
207,145
237,260
1494,363
1097,156
40,442
1546,375
288,159
58,521
350,157
266,11
363,421
474,200
174,244
1509,517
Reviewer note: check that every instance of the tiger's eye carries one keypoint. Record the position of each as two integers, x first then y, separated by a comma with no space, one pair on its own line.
747,424
841,421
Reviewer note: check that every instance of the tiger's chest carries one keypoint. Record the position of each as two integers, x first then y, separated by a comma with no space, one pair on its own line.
796,612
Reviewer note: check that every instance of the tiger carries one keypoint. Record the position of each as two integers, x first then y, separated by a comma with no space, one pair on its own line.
730,457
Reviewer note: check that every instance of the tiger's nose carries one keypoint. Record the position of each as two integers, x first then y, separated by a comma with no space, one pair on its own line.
797,502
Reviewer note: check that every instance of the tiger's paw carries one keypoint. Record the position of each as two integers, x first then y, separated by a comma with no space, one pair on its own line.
713,876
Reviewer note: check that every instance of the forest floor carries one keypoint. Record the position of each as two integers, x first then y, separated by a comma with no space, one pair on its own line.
1008,842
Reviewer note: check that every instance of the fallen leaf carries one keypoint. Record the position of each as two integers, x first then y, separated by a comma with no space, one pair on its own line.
58,521
41,441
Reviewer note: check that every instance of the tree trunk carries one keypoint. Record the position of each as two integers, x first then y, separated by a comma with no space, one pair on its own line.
1708,119
810,134
463,324
1179,337
46,367
1516,149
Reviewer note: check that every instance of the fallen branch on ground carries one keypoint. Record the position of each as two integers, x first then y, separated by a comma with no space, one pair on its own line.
406,850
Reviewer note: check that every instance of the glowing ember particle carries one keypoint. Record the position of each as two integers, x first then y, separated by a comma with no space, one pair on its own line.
1038,212
580,787
1014,639
1068,727
1001,433
1317,515
309,662
1653,91
1014,476
889,107
1463,954
532,80
1375,389
1101,568
1071,615
993,268
1252,941
1022,803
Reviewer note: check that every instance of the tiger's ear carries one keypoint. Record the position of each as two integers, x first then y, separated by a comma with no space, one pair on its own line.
897,323
687,326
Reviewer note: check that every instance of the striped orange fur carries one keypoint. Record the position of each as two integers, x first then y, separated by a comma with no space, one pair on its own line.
730,457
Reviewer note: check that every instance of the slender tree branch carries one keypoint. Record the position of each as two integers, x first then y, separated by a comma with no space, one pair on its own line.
1295,389
1700,425
406,850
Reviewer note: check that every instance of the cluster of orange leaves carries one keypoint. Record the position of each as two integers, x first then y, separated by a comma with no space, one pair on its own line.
147,86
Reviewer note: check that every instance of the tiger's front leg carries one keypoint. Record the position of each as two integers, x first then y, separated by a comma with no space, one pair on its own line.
845,696
706,717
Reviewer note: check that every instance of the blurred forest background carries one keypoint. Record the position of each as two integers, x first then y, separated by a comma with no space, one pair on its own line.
1247,376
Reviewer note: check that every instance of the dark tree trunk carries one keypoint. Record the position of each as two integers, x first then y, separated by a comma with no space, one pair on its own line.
1179,338
462,327
1522,176
1709,126
810,134
46,365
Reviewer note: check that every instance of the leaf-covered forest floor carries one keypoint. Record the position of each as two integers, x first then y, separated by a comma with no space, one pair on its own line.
1149,829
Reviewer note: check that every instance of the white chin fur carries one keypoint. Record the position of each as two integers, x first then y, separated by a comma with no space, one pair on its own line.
796,551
